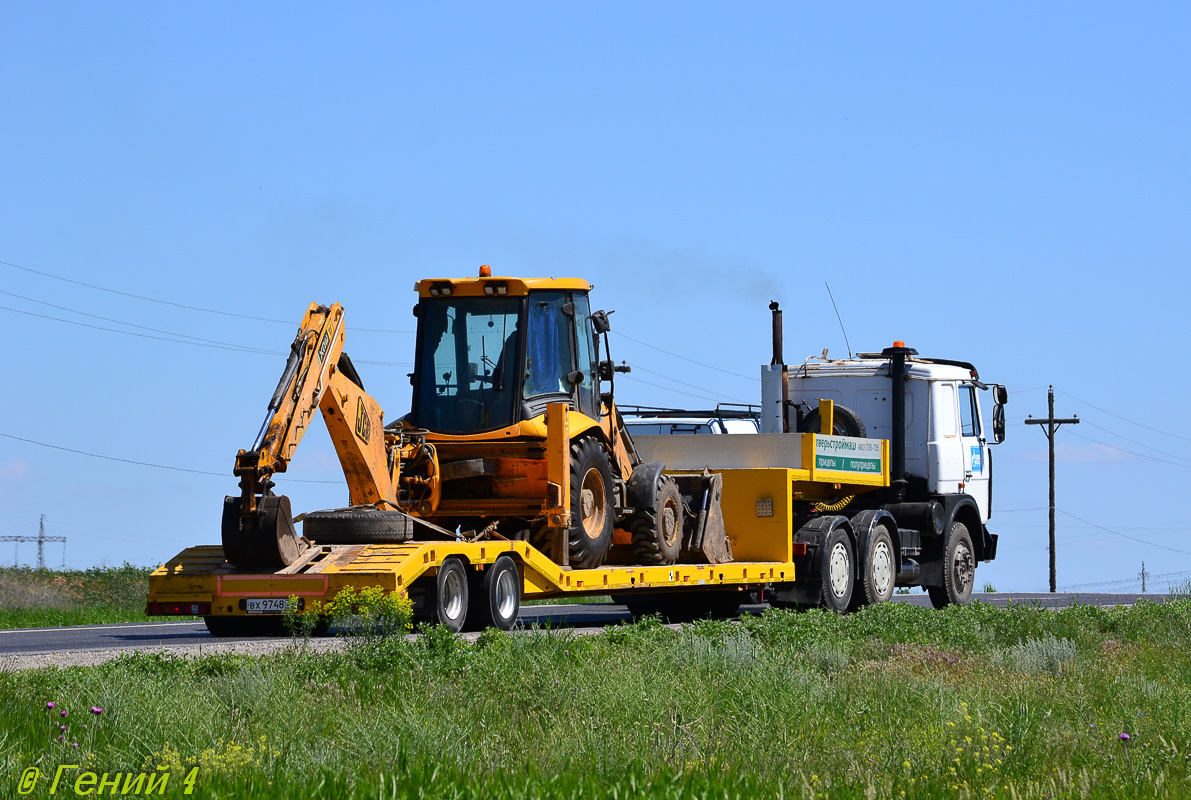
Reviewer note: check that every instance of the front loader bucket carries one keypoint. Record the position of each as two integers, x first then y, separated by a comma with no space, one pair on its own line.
706,537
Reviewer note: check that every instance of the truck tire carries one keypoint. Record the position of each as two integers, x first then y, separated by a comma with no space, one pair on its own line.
845,422
592,510
442,599
657,531
495,596
237,627
959,570
837,571
878,570
358,526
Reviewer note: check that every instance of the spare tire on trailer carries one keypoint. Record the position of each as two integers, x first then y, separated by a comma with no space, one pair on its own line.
358,526
844,422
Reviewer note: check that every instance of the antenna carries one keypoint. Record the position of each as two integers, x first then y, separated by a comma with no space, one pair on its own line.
837,316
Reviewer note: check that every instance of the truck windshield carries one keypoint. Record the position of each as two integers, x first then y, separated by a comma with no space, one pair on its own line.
467,364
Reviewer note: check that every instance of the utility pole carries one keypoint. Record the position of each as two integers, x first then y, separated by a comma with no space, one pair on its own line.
1143,575
1052,425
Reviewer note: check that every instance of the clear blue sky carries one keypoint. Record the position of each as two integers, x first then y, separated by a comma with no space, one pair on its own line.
1008,184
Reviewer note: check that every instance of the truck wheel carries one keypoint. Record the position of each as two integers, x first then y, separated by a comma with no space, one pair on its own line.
495,596
959,570
592,512
358,526
657,531
844,422
227,627
442,599
878,571
838,571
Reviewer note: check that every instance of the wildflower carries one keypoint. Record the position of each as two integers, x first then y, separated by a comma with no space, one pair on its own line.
49,705
63,713
62,727
76,744
1124,737
96,710
61,736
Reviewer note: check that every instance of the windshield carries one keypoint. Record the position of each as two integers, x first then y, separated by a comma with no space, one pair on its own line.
467,357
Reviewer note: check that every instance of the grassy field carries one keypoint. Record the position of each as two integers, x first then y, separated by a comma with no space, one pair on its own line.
38,598
893,701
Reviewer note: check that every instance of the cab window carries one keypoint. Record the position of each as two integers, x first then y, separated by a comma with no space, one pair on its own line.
968,415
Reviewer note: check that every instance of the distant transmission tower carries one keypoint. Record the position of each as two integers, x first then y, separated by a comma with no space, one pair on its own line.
41,539
1143,575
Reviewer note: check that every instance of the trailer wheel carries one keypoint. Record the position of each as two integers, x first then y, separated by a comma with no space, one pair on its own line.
844,422
592,511
837,571
878,571
657,531
959,570
442,599
495,596
358,526
236,627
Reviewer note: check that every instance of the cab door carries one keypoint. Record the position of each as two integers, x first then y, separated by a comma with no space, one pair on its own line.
977,469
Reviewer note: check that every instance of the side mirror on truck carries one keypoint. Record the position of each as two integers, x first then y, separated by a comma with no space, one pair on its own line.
1000,398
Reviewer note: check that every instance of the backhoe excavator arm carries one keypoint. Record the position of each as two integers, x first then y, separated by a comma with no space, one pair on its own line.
258,526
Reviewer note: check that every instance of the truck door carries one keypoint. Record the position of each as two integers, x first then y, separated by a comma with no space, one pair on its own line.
977,469
944,463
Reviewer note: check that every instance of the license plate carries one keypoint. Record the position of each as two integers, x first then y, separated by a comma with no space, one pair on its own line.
267,605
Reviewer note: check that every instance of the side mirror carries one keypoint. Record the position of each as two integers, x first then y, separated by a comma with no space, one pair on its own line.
600,323
999,422
1000,394
605,370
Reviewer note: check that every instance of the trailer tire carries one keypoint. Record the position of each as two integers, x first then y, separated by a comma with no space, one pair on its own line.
442,599
959,570
495,596
657,531
358,526
229,627
592,510
844,422
878,570
837,571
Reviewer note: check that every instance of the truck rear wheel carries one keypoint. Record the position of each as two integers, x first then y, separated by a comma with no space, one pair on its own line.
657,531
495,596
878,570
837,572
959,570
592,510
442,599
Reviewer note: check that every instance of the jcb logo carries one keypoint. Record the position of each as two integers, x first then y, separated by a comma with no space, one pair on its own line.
363,421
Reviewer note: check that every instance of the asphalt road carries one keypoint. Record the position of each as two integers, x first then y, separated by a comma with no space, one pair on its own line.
157,635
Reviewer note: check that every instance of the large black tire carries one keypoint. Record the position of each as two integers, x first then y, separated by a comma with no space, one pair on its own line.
878,570
657,531
495,596
237,627
844,422
358,526
442,599
592,509
837,571
959,569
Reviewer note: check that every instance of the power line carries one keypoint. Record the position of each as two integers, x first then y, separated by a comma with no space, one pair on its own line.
170,302
684,358
1126,419
1134,441
1130,452
675,380
138,463
672,389
1123,535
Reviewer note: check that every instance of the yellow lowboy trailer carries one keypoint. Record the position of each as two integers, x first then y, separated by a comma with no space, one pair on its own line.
760,517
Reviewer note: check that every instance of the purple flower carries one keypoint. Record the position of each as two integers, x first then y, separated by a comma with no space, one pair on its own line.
61,736
63,713
62,727
96,710
49,705
76,744
1124,737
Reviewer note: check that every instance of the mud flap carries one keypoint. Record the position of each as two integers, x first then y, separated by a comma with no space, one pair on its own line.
706,536
270,540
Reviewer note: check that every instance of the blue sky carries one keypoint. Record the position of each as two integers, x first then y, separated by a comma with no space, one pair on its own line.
1007,184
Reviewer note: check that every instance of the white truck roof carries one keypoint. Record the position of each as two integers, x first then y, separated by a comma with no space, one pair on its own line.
873,364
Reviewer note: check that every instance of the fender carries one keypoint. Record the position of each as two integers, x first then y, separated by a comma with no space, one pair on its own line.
642,487
963,508
814,533
863,525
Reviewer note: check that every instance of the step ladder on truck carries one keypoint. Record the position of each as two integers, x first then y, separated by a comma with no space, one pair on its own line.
514,477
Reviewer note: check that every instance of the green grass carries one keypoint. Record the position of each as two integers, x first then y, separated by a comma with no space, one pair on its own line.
39,598
967,702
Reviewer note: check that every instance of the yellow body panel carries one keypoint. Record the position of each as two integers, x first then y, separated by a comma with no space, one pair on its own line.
514,287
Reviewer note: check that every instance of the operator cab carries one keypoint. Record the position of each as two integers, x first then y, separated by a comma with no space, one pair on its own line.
492,352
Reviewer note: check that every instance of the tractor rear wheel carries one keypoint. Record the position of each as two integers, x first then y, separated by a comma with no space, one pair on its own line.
592,509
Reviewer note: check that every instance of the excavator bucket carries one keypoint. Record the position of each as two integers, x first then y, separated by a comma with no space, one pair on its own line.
706,536
268,540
